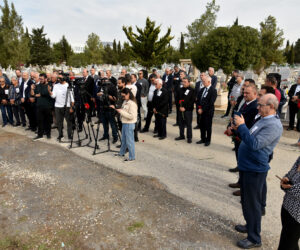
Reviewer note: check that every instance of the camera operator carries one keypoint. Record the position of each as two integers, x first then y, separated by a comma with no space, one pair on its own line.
63,109
107,94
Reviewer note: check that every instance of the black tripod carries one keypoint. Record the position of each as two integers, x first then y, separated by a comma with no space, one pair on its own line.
108,141
75,124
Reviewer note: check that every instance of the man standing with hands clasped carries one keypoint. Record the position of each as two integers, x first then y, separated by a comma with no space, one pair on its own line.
206,106
257,144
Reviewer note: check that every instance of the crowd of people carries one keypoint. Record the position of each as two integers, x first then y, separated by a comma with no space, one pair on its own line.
44,100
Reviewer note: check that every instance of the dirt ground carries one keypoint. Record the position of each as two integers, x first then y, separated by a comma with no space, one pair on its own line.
174,196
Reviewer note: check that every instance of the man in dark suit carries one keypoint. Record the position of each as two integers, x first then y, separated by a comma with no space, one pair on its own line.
199,85
293,107
112,79
89,86
176,88
214,79
25,89
160,109
186,103
206,107
168,85
230,85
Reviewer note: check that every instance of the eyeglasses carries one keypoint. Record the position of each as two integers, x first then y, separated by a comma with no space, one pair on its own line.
261,105
2,81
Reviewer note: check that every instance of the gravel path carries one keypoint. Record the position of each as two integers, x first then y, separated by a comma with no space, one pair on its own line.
200,174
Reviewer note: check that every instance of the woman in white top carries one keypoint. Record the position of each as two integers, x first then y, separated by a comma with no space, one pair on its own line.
128,114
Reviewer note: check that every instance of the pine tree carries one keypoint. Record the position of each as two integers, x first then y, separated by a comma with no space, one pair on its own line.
287,51
182,46
93,49
40,49
14,49
119,52
146,46
292,55
62,51
297,51
271,39
203,25
236,22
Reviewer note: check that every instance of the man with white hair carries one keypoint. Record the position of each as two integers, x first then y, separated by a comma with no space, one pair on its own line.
257,145
206,107
214,79
160,109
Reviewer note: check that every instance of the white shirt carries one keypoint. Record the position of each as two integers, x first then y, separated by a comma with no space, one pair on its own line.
151,92
25,87
132,88
297,89
60,94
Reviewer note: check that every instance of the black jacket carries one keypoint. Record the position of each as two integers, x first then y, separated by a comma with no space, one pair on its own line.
292,93
27,90
188,97
160,103
169,84
207,102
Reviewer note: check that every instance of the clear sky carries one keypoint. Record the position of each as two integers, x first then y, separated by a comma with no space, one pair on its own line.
77,18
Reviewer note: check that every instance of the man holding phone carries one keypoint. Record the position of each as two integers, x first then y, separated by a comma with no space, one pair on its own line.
257,143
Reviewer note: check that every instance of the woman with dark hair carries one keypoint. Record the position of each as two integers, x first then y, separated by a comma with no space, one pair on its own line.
128,114
290,211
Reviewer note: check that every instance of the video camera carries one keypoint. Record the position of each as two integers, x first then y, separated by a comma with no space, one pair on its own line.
103,86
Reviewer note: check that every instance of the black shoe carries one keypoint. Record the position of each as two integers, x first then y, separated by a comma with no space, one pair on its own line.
115,140
3,125
79,130
136,139
174,125
207,144
234,185
155,132
200,142
118,146
233,170
241,228
247,244
289,128
59,138
223,116
103,138
53,127
179,138
155,136
189,140
170,111
34,129
24,125
18,124
144,130
263,211
48,136
37,138
162,137
197,127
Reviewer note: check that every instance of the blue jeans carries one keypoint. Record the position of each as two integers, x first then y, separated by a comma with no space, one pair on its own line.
128,140
7,115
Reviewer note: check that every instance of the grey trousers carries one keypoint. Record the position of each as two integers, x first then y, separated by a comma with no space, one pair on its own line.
60,114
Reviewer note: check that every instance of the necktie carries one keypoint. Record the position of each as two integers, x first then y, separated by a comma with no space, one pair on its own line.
204,92
244,106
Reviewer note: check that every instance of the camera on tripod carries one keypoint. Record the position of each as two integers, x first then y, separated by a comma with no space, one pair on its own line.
103,87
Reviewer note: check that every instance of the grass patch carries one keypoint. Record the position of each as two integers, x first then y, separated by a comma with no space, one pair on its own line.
135,226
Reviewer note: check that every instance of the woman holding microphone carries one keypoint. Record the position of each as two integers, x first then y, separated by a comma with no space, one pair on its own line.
128,114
